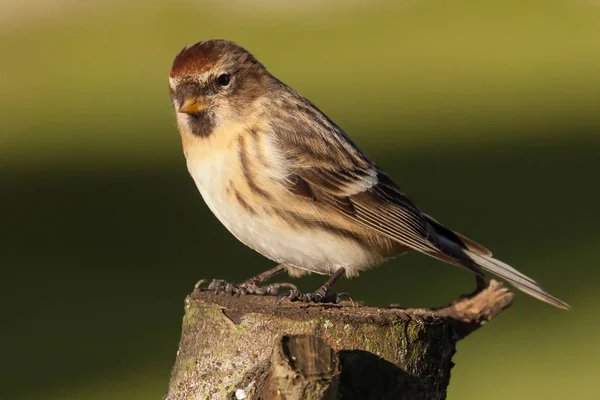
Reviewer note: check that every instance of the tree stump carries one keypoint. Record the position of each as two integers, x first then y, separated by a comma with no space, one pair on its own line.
249,348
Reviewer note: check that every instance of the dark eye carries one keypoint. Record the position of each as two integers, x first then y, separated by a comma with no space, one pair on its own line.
223,80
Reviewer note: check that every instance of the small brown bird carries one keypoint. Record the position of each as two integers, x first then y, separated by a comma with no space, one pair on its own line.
289,183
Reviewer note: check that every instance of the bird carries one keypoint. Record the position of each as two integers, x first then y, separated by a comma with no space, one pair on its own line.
291,184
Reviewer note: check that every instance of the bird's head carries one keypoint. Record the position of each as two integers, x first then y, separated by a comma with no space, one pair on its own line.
213,82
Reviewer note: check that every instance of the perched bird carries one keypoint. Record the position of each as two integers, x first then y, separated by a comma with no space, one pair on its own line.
289,183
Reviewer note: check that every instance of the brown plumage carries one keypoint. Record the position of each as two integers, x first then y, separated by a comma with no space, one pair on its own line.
290,183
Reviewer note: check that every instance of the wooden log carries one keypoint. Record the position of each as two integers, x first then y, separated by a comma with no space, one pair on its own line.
249,348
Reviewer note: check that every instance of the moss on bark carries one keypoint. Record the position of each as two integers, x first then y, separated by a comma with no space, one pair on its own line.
227,344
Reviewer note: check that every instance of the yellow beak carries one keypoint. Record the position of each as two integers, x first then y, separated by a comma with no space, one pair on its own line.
191,105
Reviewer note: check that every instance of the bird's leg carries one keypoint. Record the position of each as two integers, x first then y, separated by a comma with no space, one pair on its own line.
321,295
250,286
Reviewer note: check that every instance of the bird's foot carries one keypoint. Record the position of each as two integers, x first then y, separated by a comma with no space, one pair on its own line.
320,296
248,287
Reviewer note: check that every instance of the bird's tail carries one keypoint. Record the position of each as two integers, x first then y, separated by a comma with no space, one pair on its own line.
515,278
460,250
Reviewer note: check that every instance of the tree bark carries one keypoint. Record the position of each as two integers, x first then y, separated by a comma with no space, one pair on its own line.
248,348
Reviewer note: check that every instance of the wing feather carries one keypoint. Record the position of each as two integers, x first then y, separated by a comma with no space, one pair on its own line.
327,167
341,176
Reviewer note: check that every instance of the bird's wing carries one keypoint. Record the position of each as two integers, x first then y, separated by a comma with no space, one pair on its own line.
328,167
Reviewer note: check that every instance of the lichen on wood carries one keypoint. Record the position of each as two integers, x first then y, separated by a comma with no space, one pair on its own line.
228,345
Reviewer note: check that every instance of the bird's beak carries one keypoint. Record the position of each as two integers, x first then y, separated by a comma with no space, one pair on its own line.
191,105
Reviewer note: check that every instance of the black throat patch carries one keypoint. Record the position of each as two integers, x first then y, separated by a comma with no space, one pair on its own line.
201,124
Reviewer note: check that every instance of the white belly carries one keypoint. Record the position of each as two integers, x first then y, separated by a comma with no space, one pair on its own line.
315,250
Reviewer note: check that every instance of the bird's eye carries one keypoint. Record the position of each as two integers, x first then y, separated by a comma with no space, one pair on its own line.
223,80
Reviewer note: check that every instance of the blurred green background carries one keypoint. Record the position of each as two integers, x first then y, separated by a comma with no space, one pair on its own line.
486,113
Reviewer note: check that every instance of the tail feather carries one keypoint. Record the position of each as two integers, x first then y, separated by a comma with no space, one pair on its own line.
515,278
459,250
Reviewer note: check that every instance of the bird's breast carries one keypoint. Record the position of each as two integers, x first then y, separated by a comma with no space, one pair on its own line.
242,182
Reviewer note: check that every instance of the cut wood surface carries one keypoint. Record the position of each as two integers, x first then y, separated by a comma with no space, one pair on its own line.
249,348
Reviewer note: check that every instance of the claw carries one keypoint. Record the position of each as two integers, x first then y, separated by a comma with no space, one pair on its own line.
199,283
292,295
222,286
318,297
